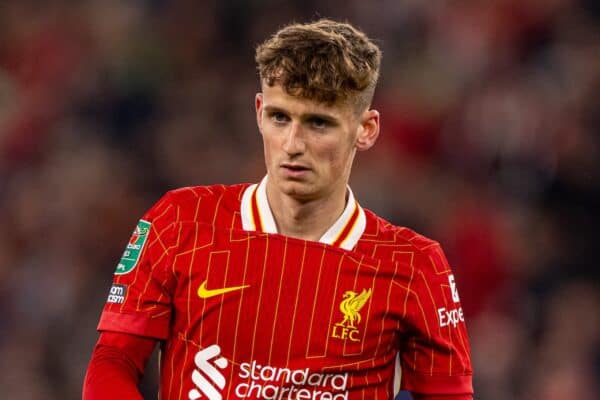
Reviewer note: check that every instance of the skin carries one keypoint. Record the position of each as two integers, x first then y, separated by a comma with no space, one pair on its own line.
309,148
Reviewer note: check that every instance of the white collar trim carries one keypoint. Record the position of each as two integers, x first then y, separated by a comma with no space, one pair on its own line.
257,216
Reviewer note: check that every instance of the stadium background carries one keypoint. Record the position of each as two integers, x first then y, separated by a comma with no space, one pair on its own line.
490,120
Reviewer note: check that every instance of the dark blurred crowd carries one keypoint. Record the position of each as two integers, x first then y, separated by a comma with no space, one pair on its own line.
490,144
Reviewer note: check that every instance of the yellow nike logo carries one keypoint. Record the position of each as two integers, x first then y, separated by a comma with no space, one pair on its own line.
205,293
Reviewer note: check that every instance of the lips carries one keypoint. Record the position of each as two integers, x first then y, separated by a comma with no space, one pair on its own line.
295,167
294,171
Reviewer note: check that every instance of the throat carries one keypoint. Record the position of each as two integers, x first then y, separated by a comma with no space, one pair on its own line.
306,220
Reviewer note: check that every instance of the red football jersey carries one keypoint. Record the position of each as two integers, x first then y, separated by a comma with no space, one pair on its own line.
248,313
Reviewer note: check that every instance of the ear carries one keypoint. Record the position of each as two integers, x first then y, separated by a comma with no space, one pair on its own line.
368,130
258,103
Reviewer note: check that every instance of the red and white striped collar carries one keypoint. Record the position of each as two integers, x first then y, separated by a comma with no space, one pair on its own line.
257,216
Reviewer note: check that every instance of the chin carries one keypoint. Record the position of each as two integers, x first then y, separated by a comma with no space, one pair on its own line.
297,189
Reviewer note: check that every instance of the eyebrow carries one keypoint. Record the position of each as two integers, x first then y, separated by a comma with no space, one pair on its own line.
273,109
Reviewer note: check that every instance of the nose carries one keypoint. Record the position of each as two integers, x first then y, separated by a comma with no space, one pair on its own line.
293,143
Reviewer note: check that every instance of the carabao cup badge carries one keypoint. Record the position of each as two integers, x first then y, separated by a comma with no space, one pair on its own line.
134,248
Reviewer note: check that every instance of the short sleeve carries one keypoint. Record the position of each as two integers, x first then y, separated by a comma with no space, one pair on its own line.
140,299
435,356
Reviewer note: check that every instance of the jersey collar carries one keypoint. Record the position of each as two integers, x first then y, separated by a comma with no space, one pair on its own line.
257,216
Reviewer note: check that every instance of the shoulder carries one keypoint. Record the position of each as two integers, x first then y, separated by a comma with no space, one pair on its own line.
196,203
382,232
190,196
384,240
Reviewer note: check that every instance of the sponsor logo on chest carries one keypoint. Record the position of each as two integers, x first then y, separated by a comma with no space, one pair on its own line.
259,381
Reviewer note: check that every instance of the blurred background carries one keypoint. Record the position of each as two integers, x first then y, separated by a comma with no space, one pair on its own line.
490,144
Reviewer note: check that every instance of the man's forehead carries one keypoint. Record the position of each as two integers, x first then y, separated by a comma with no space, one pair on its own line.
276,97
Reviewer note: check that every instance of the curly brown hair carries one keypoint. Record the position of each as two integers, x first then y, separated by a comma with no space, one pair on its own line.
325,61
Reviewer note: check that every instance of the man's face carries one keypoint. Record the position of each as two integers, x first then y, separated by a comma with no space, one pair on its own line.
309,147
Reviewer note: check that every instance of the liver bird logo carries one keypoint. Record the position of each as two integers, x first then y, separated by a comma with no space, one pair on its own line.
351,306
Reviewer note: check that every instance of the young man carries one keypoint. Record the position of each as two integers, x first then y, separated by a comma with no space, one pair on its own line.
287,289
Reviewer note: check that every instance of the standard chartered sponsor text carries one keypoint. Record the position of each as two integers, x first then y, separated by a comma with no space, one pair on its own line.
274,383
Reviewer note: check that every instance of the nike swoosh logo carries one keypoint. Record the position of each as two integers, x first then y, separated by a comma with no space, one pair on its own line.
205,293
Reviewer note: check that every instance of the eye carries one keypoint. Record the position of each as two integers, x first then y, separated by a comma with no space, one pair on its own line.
279,117
319,123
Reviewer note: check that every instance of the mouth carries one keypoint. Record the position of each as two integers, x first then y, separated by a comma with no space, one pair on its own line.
294,170
295,167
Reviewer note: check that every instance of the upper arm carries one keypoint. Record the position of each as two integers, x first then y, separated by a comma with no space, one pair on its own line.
435,354
140,298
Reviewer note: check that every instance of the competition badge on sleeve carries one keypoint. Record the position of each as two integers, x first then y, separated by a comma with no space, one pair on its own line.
134,248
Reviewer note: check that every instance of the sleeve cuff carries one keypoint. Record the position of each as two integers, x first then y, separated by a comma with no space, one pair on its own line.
437,385
136,324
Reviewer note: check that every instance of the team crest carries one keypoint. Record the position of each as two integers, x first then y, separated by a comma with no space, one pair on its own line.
134,248
350,307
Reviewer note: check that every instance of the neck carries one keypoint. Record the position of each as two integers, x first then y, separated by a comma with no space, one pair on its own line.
305,219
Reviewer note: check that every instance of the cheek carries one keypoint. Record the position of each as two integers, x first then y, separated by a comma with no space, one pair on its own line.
266,149
269,148
336,158
340,152
341,160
